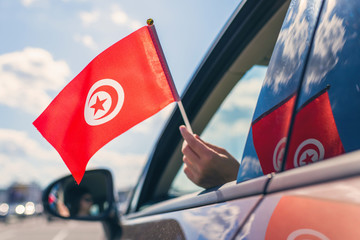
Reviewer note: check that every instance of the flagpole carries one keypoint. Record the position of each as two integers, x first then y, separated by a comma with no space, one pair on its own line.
184,116
150,22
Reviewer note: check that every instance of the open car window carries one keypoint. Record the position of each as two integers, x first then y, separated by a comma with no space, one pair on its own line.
230,125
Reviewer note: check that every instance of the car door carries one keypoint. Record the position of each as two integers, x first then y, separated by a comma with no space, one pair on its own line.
161,206
317,195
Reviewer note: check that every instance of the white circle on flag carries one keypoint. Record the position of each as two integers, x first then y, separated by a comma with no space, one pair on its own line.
306,233
309,150
103,102
279,154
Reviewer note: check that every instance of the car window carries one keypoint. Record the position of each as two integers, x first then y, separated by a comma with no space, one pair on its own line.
242,51
230,125
327,115
266,143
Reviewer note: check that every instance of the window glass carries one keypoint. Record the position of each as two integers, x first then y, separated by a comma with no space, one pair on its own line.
327,117
230,125
266,144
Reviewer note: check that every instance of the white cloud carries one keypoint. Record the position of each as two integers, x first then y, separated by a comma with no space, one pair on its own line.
294,38
223,217
88,18
27,3
76,0
120,17
24,170
245,95
18,144
27,76
87,41
234,129
126,168
247,228
248,163
23,159
134,25
290,45
328,42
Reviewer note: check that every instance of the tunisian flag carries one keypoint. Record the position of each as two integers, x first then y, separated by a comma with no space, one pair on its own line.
270,135
124,85
314,136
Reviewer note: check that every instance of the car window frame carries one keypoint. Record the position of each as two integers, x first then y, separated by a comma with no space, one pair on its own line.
217,73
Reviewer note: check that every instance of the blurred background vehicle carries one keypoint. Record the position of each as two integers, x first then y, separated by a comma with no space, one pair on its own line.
21,200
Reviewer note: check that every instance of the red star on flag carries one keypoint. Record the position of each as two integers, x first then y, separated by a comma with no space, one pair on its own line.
308,158
98,105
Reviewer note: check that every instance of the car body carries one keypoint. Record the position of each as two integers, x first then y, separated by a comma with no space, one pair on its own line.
300,161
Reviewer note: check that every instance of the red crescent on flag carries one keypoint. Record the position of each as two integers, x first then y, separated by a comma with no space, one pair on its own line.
310,150
111,93
279,153
114,98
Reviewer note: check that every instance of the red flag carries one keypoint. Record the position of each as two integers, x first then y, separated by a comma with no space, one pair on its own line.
315,135
309,218
270,134
124,85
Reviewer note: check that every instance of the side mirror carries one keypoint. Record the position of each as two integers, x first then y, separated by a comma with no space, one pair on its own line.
93,199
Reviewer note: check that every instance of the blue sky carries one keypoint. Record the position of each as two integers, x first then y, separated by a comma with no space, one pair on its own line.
46,43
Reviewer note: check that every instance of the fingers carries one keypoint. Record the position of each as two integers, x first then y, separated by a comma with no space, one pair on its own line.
189,152
190,158
205,164
219,150
211,146
189,173
195,143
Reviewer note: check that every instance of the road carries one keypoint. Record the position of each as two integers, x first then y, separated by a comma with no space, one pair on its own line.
38,228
